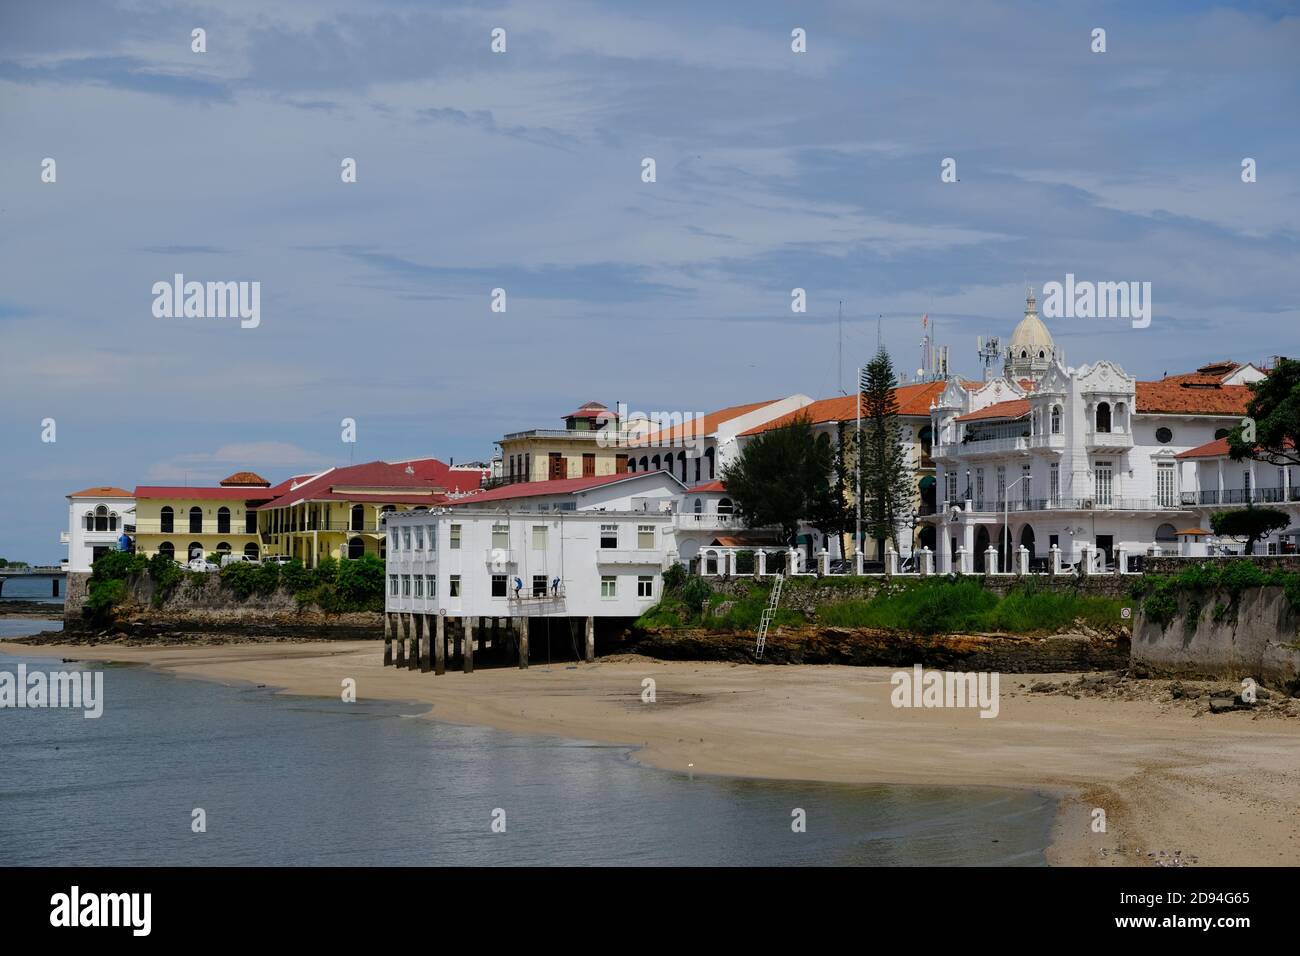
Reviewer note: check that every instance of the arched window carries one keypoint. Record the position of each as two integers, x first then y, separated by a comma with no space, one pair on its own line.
1024,353
168,549
251,551
223,520
699,506
90,521
167,519
194,550
356,547
681,460
724,506
1219,433
1056,419
708,455
927,440
654,463
645,463
196,520
1103,417
697,470
358,517
631,465
1166,534
223,547
101,518
1120,412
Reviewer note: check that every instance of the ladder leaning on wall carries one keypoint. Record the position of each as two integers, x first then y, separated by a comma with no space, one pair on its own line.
766,621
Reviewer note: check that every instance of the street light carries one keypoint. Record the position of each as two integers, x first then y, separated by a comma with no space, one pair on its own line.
1006,521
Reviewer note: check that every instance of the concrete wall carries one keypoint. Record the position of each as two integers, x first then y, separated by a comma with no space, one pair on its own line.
1256,637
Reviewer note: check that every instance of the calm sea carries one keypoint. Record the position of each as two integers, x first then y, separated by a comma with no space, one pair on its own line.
293,780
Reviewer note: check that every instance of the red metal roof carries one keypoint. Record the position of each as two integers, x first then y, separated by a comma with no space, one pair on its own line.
561,486
200,494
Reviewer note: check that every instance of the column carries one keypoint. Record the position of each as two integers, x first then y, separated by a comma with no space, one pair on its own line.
944,541
401,640
422,631
991,560
591,639
469,644
760,561
388,638
496,637
440,646
523,643
482,635
413,661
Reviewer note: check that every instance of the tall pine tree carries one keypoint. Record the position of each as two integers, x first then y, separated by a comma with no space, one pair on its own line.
886,474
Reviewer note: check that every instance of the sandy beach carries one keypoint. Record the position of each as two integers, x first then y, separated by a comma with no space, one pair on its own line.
1219,790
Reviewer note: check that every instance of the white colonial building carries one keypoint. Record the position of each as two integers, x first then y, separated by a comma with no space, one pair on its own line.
97,519
1082,459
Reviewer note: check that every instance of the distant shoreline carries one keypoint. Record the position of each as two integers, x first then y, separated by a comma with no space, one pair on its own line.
1169,780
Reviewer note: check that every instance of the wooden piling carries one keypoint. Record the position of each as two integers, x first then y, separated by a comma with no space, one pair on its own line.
388,639
440,647
523,643
591,639
422,628
469,645
413,660
401,640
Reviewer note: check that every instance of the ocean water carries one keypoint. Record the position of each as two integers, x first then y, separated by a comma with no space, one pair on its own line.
31,589
293,780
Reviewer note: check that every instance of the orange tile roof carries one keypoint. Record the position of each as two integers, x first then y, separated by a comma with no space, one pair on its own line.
913,400
1191,395
244,478
101,491
1211,449
1016,408
712,422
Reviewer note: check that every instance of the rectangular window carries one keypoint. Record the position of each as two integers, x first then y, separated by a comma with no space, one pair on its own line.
1103,483
566,506
454,544
392,585
608,587
609,536
431,582
645,537
453,586
979,488
392,539
1165,484
588,465
419,585
539,537
950,486
645,586
539,585
1054,484
1024,486
498,585
620,464
419,538
501,535
406,539
557,467
1002,483
406,585
433,537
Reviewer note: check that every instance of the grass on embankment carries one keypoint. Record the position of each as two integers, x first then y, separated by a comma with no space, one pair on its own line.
936,606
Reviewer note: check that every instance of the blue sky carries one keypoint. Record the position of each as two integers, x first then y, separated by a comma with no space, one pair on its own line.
522,171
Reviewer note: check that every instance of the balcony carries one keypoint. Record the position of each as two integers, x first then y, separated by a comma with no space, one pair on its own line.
1101,441
1049,443
1000,445
1073,504
706,521
639,556
1240,496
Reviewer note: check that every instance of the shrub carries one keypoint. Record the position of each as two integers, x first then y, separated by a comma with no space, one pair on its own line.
101,597
674,578
695,593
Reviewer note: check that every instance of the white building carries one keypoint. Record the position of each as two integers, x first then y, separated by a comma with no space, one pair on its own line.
1077,458
576,548
97,517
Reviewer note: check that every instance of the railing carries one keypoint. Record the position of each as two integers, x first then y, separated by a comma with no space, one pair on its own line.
1240,496
591,433
705,520
183,528
1073,504
993,446
1110,439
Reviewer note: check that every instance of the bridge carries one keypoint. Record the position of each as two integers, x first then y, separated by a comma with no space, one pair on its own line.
55,574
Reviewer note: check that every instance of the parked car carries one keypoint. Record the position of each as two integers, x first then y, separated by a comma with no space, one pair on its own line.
201,564
238,559
276,559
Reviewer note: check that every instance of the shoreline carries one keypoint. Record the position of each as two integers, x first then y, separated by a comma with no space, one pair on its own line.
1207,790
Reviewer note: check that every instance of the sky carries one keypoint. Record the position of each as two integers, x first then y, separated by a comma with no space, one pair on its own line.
522,170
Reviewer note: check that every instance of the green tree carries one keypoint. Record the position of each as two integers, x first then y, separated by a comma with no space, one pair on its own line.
886,487
1274,413
784,476
1249,523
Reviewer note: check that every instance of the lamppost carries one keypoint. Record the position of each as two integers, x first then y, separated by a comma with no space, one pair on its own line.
857,463
1006,522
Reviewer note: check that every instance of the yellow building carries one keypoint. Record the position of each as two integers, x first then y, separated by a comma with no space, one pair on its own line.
337,512
181,521
584,447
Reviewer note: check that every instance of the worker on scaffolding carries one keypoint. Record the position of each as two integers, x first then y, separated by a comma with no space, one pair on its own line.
555,586
518,586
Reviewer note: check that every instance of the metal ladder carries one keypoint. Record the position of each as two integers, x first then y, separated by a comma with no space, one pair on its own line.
766,621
